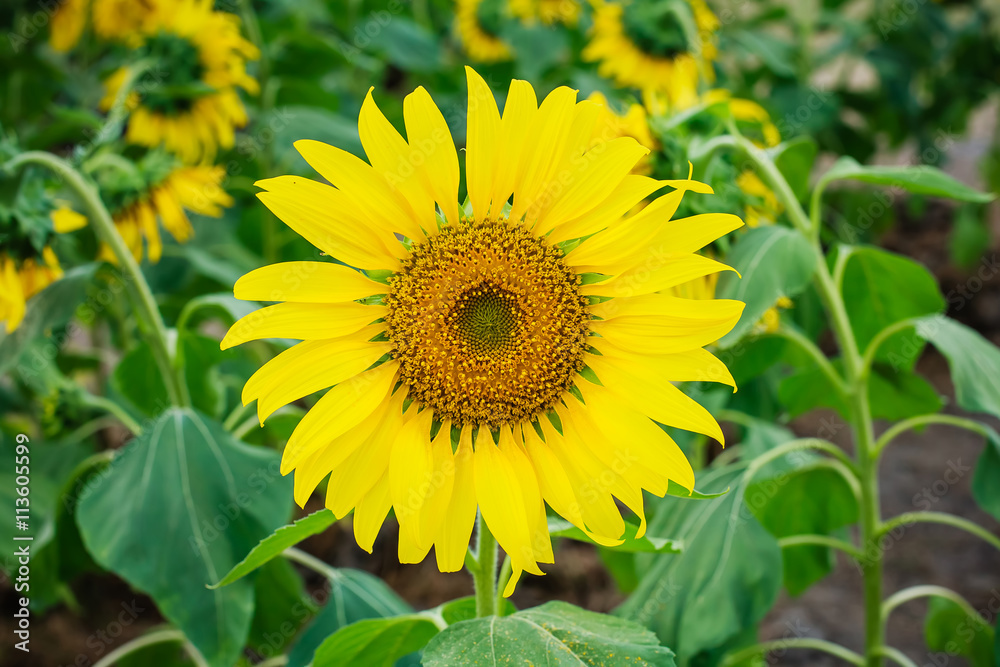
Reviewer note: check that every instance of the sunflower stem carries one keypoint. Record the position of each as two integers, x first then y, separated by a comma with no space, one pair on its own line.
142,297
854,384
484,570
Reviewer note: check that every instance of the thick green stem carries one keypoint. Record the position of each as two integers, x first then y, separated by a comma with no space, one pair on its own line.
855,385
484,570
143,301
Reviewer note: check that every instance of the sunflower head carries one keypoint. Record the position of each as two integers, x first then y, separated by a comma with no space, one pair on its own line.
478,23
189,101
27,262
665,46
548,12
514,351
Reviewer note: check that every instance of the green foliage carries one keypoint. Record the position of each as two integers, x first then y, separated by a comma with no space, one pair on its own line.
645,544
186,488
376,642
555,633
950,628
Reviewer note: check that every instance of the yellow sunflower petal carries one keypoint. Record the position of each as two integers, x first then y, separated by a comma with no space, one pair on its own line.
302,321
452,540
518,112
481,145
697,365
308,367
371,512
433,149
632,190
666,271
306,282
341,409
410,467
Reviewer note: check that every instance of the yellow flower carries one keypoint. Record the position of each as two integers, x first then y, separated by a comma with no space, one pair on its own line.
67,24
548,12
770,321
481,373
668,51
196,189
479,42
196,106
633,123
19,281
769,207
125,20
65,220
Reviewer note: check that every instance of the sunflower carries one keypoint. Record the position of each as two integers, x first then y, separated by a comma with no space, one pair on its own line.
67,24
704,288
193,105
548,12
125,20
633,123
21,280
495,355
196,189
664,46
477,22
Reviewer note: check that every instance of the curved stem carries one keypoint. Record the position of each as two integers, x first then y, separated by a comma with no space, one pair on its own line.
807,346
484,572
881,337
112,408
310,561
759,650
160,637
895,655
794,446
913,422
505,572
909,518
823,541
916,592
145,304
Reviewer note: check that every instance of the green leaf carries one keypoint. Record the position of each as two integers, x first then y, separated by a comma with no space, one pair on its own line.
698,599
815,500
464,609
773,262
975,372
986,478
621,566
53,307
881,288
970,237
949,628
974,362
280,608
409,45
898,396
174,510
923,180
274,544
555,634
794,159
375,642
647,543
353,595
138,379
536,48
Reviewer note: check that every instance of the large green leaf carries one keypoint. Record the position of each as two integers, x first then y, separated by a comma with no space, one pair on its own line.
975,372
176,509
881,288
376,642
556,634
280,608
923,180
949,628
815,500
50,308
352,595
726,579
138,378
773,261
464,609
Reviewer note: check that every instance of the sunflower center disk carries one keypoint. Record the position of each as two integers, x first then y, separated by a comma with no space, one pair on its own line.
488,324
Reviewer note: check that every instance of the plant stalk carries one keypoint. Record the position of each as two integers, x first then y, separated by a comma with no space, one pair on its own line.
484,570
142,297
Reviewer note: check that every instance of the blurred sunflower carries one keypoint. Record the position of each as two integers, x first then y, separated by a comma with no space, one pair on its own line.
123,19
21,279
67,24
196,106
548,12
197,189
482,372
478,22
660,45
633,123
